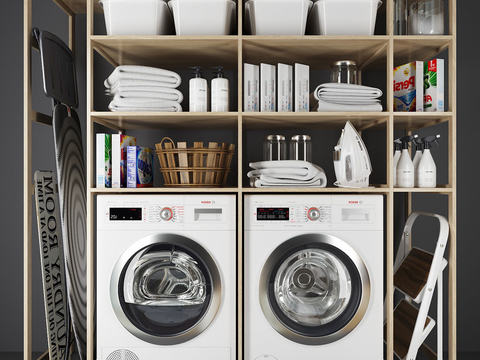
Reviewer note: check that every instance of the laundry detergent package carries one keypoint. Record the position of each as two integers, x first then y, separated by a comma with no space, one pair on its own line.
433,85
302,88
408,87
139,167
267,87
284,93
251,77
119,159
104,161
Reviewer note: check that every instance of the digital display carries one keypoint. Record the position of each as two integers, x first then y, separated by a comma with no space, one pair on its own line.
123,214
270,214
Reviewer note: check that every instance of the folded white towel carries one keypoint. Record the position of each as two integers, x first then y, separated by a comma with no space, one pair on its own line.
134,72
325,106
146,85
357,100
293,169
350,90
119,104
319,180
163,94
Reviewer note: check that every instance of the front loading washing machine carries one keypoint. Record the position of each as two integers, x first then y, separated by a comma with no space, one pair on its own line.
166,275
313,268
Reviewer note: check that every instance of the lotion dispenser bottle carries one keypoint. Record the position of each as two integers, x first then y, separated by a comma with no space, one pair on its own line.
198,91
396,156
416,159
220,94
405,169
427,170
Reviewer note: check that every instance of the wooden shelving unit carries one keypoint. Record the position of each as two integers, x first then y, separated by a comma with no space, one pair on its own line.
379,52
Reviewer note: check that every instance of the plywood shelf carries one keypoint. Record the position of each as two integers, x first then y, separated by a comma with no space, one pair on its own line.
419,48
155,190
377,190
165,120
415,121
440,189
170,52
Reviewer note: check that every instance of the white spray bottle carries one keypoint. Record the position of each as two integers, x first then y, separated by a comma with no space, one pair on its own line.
427,170
416,159
405,170
396,156
198,91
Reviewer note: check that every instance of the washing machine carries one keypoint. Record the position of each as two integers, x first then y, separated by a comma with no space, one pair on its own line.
313,282
166,277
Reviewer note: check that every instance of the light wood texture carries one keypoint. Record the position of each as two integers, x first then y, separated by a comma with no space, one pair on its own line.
77,6
170,52
405,316
182,161
27,181
415,121
428,352
419,48
412,275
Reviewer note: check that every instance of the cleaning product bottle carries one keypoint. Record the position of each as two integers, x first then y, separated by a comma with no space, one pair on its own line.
198,91
405,170
416,159
396,156
427,171
219,91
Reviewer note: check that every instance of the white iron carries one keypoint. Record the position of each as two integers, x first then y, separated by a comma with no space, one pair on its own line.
350,159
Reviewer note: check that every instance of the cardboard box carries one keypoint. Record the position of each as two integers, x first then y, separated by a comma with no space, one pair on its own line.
408,87
119,159
434,85
104,161
139,167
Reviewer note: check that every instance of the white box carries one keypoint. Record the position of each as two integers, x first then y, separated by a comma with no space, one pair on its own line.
119,159
203,17
267,88
284,93
434,85
343,17
137,17
104,161
302,88
277,17
251,77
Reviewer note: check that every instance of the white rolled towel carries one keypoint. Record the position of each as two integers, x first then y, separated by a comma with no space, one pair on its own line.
135,72
325,106
161,94
120,104
349,90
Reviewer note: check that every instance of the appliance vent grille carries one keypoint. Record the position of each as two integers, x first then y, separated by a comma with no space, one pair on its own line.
122,354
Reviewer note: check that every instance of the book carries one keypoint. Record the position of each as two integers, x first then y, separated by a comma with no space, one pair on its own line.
104,161
119,159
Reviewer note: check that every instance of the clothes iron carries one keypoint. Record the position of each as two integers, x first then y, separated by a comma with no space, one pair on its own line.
350,159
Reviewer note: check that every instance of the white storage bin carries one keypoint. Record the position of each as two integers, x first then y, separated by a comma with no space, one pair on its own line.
137,17
343,17
277,17
203,17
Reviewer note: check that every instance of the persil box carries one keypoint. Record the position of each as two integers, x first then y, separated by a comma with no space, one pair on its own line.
408,87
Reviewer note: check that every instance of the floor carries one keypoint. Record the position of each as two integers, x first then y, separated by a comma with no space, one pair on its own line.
19,356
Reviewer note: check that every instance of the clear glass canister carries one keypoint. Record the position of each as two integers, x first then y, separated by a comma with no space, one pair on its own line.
425,17
344,71
301,148
274,148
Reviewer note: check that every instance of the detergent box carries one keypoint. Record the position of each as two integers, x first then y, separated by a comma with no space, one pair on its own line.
120,143
433,85
104,161
139,167
408,87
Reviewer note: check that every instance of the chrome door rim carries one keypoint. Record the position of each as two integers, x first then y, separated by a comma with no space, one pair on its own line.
213,307
304,240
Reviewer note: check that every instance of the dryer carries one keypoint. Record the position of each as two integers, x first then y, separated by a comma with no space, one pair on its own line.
313,277
166,277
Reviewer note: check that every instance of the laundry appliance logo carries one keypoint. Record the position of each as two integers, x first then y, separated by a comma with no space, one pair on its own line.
53,269
207,202
354,202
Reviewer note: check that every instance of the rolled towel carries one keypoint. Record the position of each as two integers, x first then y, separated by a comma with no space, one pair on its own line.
119,104
134,72
350,90
325,106
163,94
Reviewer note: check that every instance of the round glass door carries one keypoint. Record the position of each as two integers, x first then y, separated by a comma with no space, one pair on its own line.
314,289
165,289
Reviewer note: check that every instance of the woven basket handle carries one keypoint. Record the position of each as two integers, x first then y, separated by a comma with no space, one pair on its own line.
167,138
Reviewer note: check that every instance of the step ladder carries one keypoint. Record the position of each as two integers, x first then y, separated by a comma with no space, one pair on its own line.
416,273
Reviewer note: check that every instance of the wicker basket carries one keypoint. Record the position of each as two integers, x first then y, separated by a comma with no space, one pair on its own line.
194,167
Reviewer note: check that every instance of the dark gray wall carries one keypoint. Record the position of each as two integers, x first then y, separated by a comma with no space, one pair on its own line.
47,16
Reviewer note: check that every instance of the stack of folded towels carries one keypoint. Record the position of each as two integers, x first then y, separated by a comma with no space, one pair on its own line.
143,88
287,173
347,97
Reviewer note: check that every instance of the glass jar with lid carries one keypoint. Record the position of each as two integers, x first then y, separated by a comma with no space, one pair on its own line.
274,148
301,148
344,71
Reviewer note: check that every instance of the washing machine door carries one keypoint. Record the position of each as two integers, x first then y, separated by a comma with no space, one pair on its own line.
314,289
165,289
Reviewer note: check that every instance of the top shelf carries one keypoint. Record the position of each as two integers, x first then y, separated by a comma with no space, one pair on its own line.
78,6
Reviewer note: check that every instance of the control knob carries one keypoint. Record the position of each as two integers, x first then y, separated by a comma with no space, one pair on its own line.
313,214
166,214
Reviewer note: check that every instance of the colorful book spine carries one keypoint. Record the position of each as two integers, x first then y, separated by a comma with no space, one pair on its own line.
104,161
119,159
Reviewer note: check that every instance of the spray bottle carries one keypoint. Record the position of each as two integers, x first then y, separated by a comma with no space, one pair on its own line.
396,156
219,91
198,91
418,156
405,170
427,171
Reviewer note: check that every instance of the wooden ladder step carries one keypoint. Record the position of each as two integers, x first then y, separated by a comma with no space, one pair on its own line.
404,318
412,275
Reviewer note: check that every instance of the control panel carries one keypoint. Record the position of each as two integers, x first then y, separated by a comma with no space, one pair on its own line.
146,213
293,214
